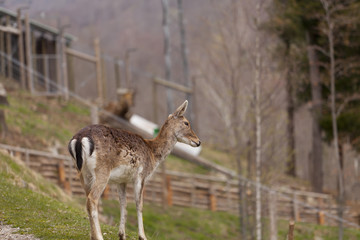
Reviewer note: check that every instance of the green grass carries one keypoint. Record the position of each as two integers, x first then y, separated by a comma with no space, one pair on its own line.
310,231
178,164
188,223
177,223
43,120
40,208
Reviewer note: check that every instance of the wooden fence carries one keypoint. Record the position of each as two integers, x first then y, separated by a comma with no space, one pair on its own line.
193,190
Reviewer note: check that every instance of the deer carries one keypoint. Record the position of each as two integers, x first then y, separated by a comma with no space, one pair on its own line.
105,155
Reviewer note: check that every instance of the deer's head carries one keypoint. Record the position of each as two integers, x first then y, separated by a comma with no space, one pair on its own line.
180,126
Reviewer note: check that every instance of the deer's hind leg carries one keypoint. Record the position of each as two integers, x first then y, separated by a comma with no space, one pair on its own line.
123,212
92,203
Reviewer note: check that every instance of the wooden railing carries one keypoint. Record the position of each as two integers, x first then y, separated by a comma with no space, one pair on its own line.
193,190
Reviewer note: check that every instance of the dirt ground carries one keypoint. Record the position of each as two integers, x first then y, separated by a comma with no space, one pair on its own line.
9,233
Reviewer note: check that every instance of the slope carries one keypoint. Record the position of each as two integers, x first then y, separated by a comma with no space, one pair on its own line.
40,208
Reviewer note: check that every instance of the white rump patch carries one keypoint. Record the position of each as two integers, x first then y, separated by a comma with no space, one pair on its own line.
86,145
72,147
89,162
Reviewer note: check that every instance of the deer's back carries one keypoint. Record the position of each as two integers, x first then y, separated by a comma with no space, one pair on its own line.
116,147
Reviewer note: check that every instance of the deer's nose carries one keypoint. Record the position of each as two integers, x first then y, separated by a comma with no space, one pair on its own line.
198,143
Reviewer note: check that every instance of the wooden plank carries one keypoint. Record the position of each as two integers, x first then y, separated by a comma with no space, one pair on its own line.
9,29
81,55
173,85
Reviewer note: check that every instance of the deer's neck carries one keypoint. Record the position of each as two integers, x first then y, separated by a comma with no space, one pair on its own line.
162,145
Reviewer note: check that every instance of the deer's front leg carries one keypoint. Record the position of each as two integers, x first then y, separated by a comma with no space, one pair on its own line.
138,189
122,198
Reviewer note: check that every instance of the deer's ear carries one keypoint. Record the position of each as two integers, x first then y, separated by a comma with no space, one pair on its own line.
181,109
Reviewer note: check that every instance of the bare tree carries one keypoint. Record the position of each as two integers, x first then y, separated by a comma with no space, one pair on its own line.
167,53
315,161
184,56
328,7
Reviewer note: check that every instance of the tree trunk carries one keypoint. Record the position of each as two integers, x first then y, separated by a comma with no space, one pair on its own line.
338,159
167,53
184,55
316,163
291,161
242,198
258,131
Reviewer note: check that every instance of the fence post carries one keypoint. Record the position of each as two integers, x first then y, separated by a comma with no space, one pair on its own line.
155,107
27,158
228,200
321,218
98,70
117,72
169,191
2,49
163,176
106,192
9,49
212,194
94,114
28,54
70,176
63,63
273,215
295,208
291,230
62,177
193,192
21,49
35,64
103,78
46,72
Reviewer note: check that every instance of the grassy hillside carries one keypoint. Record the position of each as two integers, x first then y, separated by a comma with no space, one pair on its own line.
39,122
40,208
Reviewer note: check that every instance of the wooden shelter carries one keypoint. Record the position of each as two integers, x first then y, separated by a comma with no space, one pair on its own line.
32,53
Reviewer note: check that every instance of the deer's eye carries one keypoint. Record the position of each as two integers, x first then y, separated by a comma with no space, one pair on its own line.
186,123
